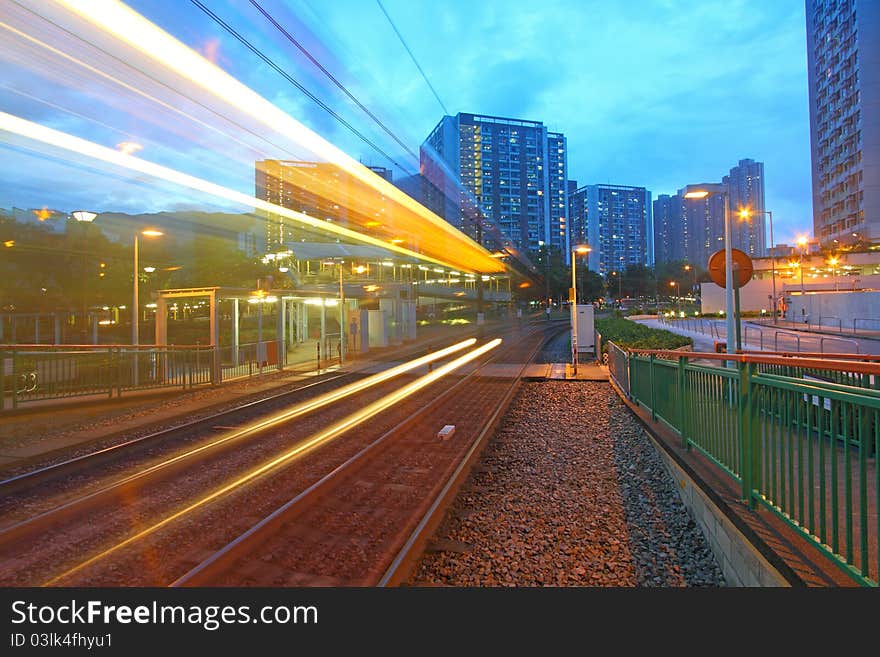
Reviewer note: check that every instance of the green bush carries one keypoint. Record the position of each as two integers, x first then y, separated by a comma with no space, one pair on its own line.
632,335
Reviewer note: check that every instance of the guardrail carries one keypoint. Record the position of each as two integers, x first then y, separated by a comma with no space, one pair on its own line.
781,340
37,372
30,373
618,366
800,434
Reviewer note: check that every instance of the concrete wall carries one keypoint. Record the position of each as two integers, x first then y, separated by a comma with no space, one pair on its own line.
845,306
741,563
754,295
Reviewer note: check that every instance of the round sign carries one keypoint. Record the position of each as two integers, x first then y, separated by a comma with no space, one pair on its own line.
742,267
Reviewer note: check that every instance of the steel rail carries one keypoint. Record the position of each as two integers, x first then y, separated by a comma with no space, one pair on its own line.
403,562
223,559
83,503
71,465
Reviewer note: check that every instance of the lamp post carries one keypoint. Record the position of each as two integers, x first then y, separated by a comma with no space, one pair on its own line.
674,286
342,332
745,213
703,191
573,302
84,217
833,261
694,284
802,242
135,336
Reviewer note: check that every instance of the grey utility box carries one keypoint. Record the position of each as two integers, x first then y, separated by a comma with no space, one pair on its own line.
586,328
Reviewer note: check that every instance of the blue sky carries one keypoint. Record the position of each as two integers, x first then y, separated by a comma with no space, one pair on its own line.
658,93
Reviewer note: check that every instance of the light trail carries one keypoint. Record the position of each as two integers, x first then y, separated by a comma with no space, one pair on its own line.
122,84
58,139
128,27
307,445
266,423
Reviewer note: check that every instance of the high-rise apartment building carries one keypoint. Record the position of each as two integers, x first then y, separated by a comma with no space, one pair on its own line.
843,57
616,220
745,187
577,215
321,190
693,229
515,170
670,233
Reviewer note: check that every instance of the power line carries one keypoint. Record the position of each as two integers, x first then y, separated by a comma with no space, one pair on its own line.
290,79
333,79
413,57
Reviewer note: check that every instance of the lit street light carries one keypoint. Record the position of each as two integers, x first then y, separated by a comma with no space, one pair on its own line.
702,191
802,242
832,262
694,284
135,336
674,286
573,302
746,213
84,217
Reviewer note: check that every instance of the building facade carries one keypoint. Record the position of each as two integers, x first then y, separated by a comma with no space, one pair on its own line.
693,229
843,57
320,190
745,185
513,174
670,234
615,220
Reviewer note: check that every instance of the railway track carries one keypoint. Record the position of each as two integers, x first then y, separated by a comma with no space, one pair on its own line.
365,522
60,462
107,522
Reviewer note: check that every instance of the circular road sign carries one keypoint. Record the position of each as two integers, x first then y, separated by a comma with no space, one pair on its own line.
742,268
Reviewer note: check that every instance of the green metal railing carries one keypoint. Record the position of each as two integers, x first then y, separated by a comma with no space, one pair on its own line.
800,435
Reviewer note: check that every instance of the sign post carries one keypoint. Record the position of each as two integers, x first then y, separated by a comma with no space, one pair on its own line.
742,274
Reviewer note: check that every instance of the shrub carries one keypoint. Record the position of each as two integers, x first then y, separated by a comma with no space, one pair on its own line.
632,335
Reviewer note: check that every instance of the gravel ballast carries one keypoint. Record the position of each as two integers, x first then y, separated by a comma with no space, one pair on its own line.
569,492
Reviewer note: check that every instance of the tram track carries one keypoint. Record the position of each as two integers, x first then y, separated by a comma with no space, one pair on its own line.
92,519
365,522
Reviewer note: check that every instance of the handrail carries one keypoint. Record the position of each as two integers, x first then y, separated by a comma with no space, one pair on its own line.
814,354
100,347
762,358
839,322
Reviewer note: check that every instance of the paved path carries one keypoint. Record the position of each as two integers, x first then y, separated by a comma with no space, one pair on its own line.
757,337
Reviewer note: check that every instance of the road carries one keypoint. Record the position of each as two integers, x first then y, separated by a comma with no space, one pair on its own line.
705,332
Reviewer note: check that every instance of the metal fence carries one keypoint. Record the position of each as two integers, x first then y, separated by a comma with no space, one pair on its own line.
800,435
251,359
766,337
31,373
618,366
37,372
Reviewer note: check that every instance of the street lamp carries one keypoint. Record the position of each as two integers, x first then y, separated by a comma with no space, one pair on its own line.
832,262
84,217
135,337
694,284
746,213
802,242
583,250
703,191
674,286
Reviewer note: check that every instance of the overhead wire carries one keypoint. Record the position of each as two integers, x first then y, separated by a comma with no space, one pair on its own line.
332,78
413,57
241,39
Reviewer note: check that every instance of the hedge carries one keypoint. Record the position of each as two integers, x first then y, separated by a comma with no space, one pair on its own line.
632,335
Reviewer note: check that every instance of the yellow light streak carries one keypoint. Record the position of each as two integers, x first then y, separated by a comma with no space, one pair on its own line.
122,84
51,137
307,445
137,32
